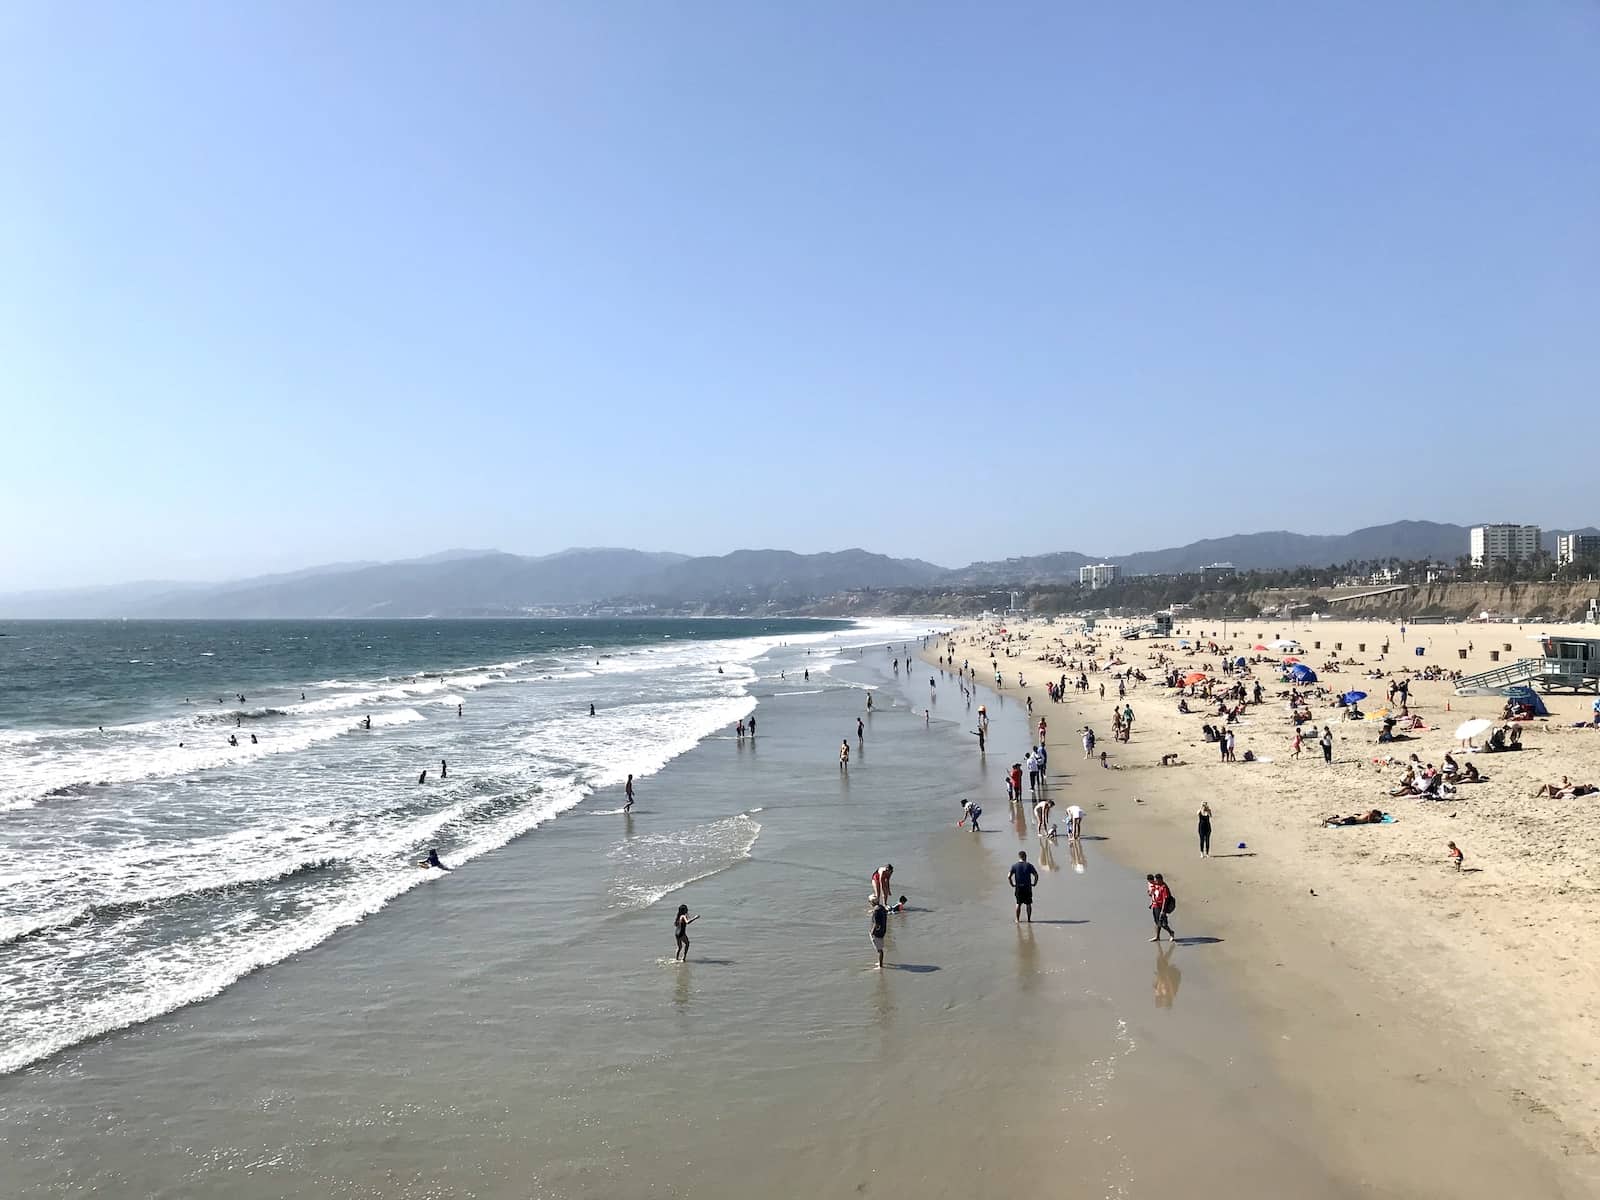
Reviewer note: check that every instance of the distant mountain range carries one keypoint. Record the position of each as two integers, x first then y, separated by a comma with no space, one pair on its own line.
459,583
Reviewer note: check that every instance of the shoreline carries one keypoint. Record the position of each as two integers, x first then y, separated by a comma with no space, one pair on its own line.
1415,1048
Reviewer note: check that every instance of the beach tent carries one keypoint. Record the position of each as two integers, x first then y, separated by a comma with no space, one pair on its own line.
1301,673
1526,695
1284,644
1239,662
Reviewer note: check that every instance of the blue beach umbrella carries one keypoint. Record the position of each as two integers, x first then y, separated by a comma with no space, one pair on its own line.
1352,697
1301,673
1239,662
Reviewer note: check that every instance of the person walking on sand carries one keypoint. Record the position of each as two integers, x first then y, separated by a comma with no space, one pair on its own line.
680,930
1456,856
1023,875
627,790
1299,740
1327,745
880,928
1204,818
1161,904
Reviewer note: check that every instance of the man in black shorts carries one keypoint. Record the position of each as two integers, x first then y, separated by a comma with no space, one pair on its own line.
1023,876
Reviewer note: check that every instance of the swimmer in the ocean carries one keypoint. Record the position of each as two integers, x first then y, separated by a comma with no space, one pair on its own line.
423,778
233,740
432,860
591,708
366,723
444,769
253,741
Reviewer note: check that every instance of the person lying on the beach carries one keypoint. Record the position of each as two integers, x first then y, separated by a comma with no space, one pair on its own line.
1372,817
1566,789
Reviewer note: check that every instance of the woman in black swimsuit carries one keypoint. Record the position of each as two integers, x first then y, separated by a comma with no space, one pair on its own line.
680,928
1204,816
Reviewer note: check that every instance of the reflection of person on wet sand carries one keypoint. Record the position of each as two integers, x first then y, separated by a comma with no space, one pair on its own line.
1168,977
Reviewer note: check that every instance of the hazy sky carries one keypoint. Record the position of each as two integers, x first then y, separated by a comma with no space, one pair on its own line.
288,283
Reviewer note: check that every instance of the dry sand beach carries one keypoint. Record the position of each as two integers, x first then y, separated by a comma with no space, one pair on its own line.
1438,1026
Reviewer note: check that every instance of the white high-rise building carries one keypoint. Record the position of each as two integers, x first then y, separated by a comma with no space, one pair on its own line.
1571,547
1098,576
1503,543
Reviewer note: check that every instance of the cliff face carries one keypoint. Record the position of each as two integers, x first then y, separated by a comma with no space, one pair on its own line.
1547,601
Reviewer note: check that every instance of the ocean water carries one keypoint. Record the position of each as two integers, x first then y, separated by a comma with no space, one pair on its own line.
146,862
516,1027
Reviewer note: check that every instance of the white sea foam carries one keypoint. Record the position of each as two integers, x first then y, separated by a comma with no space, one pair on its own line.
211,862
654,866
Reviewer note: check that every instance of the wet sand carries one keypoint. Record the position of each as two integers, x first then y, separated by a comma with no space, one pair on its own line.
518,1029
1426,1028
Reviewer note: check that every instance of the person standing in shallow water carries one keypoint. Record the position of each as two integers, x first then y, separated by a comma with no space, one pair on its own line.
680,931
1023,875
880,928
628,791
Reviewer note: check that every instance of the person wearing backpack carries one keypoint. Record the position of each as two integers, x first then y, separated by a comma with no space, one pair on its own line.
1162,903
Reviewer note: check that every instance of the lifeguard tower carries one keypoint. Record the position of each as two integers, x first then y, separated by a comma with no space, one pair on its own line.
1158,626
1565,664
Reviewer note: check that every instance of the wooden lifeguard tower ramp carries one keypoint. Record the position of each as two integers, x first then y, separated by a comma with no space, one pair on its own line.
1565,664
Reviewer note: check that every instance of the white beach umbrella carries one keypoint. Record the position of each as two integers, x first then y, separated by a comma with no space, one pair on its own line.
1471,729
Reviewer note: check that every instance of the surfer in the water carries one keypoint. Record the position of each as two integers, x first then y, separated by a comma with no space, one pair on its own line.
366,723
432,861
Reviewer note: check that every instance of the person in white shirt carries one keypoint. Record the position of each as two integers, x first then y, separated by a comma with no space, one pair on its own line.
1074,822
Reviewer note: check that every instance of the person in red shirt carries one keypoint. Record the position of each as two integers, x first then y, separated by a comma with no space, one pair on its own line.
1160,895
1016,780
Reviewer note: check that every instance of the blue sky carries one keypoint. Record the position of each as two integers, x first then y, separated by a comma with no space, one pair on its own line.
290,283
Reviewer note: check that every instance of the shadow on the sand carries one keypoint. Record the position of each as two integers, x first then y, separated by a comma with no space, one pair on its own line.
711,962
1236,854
1198,941
914,968
1058,921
